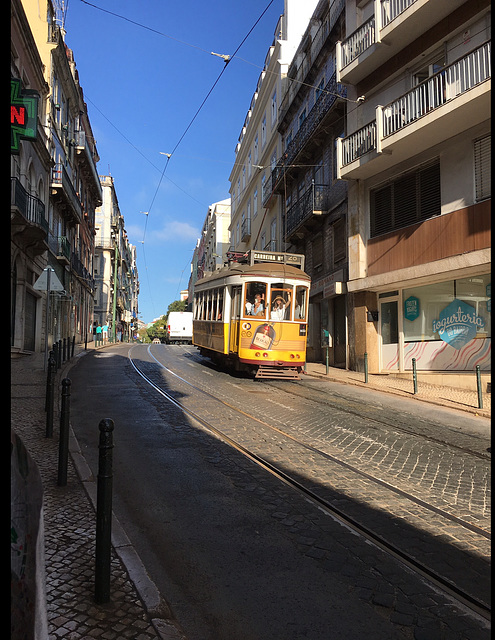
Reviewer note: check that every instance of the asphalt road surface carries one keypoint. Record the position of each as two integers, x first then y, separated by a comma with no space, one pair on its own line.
236,553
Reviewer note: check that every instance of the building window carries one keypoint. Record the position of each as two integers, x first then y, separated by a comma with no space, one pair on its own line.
302,117
410,199
256,150
482,168
339,241
255,203
319,89
317,252
288,139
274,108
263,132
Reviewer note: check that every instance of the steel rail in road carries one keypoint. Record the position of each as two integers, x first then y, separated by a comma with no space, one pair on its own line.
445,585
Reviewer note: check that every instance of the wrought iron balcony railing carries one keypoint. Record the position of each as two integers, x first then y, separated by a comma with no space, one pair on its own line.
313,202
327,99
32,209
61,181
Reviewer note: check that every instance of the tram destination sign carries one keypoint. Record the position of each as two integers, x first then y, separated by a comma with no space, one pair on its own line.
294,259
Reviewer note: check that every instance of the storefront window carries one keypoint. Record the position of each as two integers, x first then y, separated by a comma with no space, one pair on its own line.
424,305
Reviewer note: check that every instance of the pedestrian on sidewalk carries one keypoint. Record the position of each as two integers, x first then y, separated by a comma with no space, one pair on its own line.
99,336
104,330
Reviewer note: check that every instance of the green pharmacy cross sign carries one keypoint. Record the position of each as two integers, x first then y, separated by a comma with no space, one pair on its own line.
23,114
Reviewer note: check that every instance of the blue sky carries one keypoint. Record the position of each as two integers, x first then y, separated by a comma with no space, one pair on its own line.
143,90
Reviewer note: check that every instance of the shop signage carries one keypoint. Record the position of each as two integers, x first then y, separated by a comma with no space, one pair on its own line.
23,114
458,324
411,308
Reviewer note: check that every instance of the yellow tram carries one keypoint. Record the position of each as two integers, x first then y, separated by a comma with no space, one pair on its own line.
253,315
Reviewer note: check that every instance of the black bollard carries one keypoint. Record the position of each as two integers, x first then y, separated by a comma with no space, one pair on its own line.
104,513
73,345
55,352
50,395
478,386
415,376
63,443
49,378
366,367
64,349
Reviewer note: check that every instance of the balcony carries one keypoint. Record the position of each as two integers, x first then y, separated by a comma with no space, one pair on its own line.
60,247
455,99
314,202
81,271
64,193
27,217
322,114
246,230
394,25
303,64
88,164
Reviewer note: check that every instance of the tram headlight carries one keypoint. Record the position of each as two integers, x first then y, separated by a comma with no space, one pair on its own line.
265,354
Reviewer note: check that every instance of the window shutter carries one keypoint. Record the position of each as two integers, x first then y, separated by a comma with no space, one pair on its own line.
429,192
407,200
482,168
381,211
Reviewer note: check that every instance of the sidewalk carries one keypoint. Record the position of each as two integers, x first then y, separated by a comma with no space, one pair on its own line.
135,611
454,398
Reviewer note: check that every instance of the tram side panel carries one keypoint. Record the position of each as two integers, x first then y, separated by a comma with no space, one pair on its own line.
273,343
211,335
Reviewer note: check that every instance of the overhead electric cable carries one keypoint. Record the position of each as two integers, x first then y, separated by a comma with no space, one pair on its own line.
226,58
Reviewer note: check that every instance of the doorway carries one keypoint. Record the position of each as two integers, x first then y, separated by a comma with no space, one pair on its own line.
389,334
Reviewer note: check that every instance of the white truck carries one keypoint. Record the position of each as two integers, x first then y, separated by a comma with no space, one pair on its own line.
179,327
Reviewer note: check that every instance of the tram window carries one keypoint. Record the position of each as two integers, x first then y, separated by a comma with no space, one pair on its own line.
220,305
255,300
281,301
301,305
198,306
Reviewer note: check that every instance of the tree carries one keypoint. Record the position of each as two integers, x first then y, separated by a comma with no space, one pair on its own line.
158,329
177,305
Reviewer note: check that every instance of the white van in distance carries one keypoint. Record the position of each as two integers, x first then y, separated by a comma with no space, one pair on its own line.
179,327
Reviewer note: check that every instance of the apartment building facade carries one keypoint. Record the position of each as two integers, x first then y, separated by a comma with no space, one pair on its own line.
56,175
30,178
115,269
210,252
256,212
416,158
313,200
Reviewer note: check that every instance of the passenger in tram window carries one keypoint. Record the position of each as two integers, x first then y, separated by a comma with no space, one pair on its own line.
255,299
279,308
258,309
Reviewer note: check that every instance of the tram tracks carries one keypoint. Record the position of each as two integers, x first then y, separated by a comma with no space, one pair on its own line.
324,496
